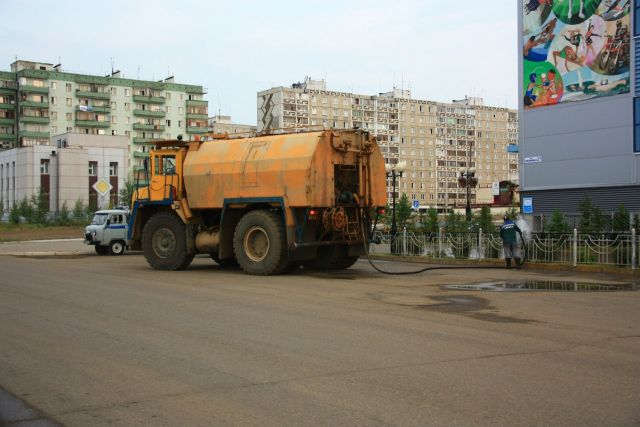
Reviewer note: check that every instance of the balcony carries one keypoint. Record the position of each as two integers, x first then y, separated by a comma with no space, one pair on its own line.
8,137
148,99
34,89
33,134
197,130
5,121
142,141
35,104
92,95
7,91
92,124
92,109
197,116
34,119
148,113
197,103
10,106
142,126
140,155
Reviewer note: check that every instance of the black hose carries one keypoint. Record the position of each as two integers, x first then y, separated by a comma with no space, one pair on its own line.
422,270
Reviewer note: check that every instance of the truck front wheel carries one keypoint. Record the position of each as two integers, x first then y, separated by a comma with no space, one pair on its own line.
164,242
259,243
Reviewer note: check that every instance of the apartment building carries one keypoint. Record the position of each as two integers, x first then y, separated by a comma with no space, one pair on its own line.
38,100
223,124
435,139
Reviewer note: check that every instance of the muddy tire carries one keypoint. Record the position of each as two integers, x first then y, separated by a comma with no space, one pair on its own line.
334,257
101,250
164,242
260,243
117,247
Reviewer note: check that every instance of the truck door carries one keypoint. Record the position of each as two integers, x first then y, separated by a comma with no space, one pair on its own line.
164,177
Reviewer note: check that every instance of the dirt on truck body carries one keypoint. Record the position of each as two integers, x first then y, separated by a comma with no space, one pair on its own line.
268,203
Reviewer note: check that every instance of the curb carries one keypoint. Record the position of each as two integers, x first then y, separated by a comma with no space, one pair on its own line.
41,254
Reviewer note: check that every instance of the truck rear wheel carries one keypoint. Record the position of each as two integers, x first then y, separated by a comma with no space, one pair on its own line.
334,257
259,243
164,242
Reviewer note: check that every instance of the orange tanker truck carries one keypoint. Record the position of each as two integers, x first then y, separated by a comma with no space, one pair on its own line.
269,203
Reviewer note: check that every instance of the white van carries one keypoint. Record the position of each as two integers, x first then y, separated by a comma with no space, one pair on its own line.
108,231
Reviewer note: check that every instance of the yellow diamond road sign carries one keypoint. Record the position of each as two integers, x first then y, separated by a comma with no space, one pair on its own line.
102,186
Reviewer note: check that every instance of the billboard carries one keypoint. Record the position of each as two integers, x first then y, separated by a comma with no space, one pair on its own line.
574,50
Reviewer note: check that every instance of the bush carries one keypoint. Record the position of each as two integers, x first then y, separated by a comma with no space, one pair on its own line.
79,211
64,216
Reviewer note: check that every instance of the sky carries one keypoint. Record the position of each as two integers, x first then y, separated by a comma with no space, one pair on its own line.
440,50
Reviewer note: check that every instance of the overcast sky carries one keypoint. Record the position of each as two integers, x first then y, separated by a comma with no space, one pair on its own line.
440,49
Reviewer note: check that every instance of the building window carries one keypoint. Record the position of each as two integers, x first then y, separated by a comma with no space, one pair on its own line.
93,168
636,122
68,87
127,106
54,85
113,91
113,169
168,95
69,117
54,100
127,92
114,120
68,102
113,105
44,166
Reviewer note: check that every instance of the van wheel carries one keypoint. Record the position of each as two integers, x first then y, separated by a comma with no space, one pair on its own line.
101,250
116,247
164,242
259,243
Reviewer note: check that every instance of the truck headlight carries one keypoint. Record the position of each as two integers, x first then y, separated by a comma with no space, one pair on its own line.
93,233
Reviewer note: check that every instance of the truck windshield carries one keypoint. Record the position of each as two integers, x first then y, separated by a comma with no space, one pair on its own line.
99,219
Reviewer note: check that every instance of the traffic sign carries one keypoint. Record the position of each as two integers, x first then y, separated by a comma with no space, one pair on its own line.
416,204
527,205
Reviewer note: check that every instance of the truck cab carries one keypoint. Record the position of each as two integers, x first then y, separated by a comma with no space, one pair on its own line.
108,231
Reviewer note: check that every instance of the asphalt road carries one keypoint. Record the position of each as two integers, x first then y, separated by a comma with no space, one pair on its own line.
97,341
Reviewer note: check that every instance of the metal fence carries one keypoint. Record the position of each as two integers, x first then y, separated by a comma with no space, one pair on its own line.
620,249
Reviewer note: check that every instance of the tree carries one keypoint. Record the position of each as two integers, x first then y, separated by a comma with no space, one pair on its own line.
64,216
513,211
620,219
79,210
586,213
403,211
636,222
557,223
598,220
484,220
430,221
455,222
126,193
39,207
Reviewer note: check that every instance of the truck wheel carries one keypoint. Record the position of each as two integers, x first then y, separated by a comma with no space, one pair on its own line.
259,243
116,247
332,257
101,250
164,242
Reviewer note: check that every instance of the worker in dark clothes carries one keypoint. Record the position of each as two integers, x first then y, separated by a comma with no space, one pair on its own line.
509,237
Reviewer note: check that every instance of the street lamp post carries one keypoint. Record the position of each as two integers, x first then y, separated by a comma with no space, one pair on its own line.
395,171
467,179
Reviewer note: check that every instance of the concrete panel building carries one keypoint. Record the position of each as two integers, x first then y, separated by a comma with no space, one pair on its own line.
65,170
578,87
436,139
38,100
223,124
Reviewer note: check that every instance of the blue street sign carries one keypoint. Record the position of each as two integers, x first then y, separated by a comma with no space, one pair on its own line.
527,205
416,204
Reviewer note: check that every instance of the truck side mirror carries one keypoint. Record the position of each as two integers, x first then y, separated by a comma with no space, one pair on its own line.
108,221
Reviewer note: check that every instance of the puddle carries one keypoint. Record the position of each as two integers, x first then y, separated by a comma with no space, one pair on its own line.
548,286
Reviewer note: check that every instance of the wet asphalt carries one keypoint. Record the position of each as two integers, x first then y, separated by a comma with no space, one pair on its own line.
91,340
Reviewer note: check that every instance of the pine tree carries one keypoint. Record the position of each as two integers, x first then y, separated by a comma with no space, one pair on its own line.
557,223
586,212
484,220
620,219
430,224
